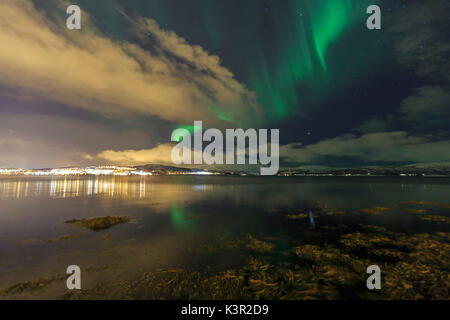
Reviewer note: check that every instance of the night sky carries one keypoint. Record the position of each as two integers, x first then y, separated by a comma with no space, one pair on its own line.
112,92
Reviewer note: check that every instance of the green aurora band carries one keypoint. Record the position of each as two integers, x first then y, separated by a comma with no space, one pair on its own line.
314,25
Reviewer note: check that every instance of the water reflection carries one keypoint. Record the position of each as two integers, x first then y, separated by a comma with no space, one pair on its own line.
72,187
183,199
181,219
280,192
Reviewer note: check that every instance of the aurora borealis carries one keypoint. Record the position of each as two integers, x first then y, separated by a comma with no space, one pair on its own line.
341,95
301,55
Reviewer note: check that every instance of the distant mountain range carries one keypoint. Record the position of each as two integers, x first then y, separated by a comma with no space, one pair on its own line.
375,171
222,169
411,170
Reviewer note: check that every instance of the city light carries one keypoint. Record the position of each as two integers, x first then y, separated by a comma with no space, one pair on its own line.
103,170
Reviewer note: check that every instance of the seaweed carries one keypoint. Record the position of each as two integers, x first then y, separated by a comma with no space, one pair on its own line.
99,223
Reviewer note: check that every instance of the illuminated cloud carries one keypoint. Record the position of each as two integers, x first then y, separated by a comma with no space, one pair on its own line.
174,81
160,154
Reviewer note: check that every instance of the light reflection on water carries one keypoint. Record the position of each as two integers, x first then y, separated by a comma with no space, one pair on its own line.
72,187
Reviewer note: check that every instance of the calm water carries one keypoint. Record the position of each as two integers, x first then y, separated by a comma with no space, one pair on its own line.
180,222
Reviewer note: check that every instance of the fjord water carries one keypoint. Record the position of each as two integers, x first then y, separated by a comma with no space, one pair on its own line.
184,222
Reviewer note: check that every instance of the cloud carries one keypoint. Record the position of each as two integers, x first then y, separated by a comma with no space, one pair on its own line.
427,103
174,81
374,125
374,147
161,154
422,45
421,39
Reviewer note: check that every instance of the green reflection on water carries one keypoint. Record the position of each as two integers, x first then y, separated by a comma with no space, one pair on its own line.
180,219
